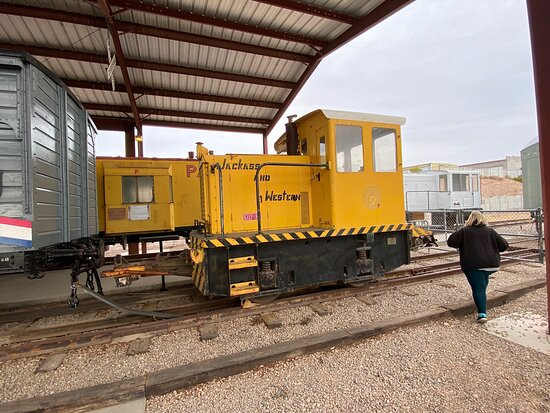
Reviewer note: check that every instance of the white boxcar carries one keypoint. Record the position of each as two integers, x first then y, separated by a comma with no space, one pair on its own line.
437,190
47,166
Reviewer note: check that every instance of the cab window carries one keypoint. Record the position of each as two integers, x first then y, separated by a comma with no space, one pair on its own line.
349,148
383,148
443,187
303,146
137,189
461,183
322,150
475,185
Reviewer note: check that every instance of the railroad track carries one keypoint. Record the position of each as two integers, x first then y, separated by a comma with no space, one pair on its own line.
21,340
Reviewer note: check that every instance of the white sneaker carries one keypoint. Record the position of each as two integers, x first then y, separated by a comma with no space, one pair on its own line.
482,318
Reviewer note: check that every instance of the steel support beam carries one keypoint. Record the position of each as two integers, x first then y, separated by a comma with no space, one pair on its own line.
148,65
309,9
129,141
264,143
158,32
83,84
106,9
374,17
113,123
175,113
213,21
539,10
303,79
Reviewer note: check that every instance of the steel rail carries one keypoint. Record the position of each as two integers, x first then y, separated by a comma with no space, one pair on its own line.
28,346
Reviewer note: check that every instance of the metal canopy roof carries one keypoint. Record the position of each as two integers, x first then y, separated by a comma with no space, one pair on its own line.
232,65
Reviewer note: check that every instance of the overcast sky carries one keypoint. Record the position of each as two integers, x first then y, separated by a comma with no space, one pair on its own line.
460,71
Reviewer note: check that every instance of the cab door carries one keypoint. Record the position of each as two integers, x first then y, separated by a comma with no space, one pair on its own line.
320,186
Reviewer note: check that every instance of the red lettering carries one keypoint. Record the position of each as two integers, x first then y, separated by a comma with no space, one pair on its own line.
190,170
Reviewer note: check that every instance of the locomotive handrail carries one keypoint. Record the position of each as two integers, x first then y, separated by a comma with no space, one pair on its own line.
220,188
257,179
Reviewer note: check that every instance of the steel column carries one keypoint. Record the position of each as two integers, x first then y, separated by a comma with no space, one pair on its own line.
129,140
264,141
538,11
140,147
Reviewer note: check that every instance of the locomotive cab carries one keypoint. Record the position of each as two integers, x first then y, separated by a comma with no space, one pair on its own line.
330,210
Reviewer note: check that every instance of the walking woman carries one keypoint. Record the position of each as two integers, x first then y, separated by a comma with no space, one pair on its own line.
480,248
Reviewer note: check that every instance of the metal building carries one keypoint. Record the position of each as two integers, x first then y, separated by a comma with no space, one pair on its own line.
530,165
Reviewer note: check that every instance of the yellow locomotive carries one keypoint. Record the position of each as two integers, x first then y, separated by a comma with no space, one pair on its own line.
329,210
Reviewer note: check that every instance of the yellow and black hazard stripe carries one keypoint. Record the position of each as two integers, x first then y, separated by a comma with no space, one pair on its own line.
293,236
198,276
195,242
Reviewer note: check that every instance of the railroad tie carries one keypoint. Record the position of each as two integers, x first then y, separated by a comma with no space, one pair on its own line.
446,285
271,321
208,332
407,293
51,363
320,309
139,346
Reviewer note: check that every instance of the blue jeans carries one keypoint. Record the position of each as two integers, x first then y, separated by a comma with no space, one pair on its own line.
479,280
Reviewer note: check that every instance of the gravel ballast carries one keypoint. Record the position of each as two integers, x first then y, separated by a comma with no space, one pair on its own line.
451,365
102,364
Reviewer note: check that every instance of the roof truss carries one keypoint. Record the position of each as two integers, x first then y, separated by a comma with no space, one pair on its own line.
117,17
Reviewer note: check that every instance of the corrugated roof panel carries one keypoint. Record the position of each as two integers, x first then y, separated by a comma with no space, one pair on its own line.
355,8
78,6
161,102
189,54
259,15
194,84
211,31
53,34
102,97
81,38
72,69
201,122
108,114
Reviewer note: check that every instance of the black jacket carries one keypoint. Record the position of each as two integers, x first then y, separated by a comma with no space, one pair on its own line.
479,247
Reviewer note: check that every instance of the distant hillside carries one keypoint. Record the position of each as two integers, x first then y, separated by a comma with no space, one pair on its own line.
493,186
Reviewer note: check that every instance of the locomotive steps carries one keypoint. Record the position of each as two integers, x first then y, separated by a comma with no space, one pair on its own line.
180,377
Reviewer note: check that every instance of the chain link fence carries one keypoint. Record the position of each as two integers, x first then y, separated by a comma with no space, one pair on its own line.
522,228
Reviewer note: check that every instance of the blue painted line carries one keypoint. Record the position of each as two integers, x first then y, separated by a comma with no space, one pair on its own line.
16,241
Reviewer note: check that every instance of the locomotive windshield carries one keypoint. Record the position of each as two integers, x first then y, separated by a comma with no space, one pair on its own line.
349,148
383,147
